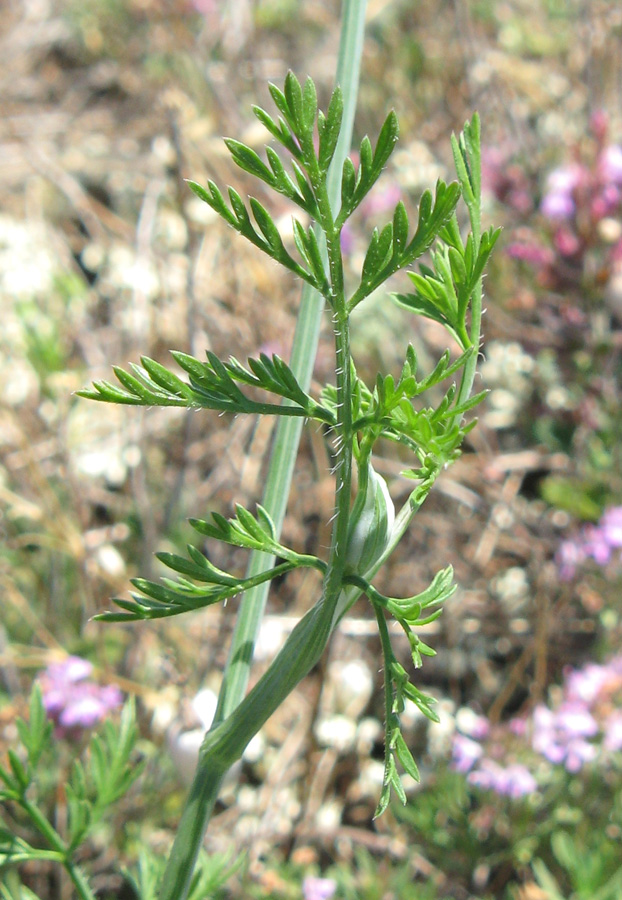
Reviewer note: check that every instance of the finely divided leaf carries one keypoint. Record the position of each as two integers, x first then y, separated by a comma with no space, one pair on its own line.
330,129
309,105
279,131
294,101
249,161
400,228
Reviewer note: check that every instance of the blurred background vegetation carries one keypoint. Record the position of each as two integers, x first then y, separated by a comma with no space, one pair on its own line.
107,105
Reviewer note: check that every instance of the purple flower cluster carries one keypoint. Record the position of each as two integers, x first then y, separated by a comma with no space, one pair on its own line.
561,184
209,9
581,205
586,725
318,888
561,736
469,757
580,195
507,180
528,250
514,780
597,542
591,708
465,753
568,188
71,700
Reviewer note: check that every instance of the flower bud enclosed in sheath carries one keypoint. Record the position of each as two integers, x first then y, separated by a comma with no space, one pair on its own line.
371,522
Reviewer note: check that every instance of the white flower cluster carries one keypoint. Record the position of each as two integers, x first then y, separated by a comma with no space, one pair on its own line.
27,271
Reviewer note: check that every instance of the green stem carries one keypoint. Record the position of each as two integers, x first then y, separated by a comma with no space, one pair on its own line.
471,189
343,381
30,855
43,826
226,742
58,845
388,657
470,368
80,881
343,374
284,409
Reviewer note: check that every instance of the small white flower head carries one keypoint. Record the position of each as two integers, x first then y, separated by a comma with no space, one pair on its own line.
353,685
337,732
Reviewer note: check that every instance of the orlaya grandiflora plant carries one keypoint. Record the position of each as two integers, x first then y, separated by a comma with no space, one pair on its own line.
447,289
366,529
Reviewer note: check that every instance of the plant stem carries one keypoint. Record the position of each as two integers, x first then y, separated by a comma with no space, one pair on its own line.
44,827
387,656
226,742
471,190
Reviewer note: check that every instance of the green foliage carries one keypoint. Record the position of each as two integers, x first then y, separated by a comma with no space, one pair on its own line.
447,290
103,774
593,872
582,499
35,734
365,875
174,597
444,290
211,873
409,612
355,185
432,433
389,250
236,214
567,833
212,386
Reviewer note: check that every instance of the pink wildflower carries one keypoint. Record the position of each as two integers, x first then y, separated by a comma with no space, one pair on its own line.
610,164
73,702
318,888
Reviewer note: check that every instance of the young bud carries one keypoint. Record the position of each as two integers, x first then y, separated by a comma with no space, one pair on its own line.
371,522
